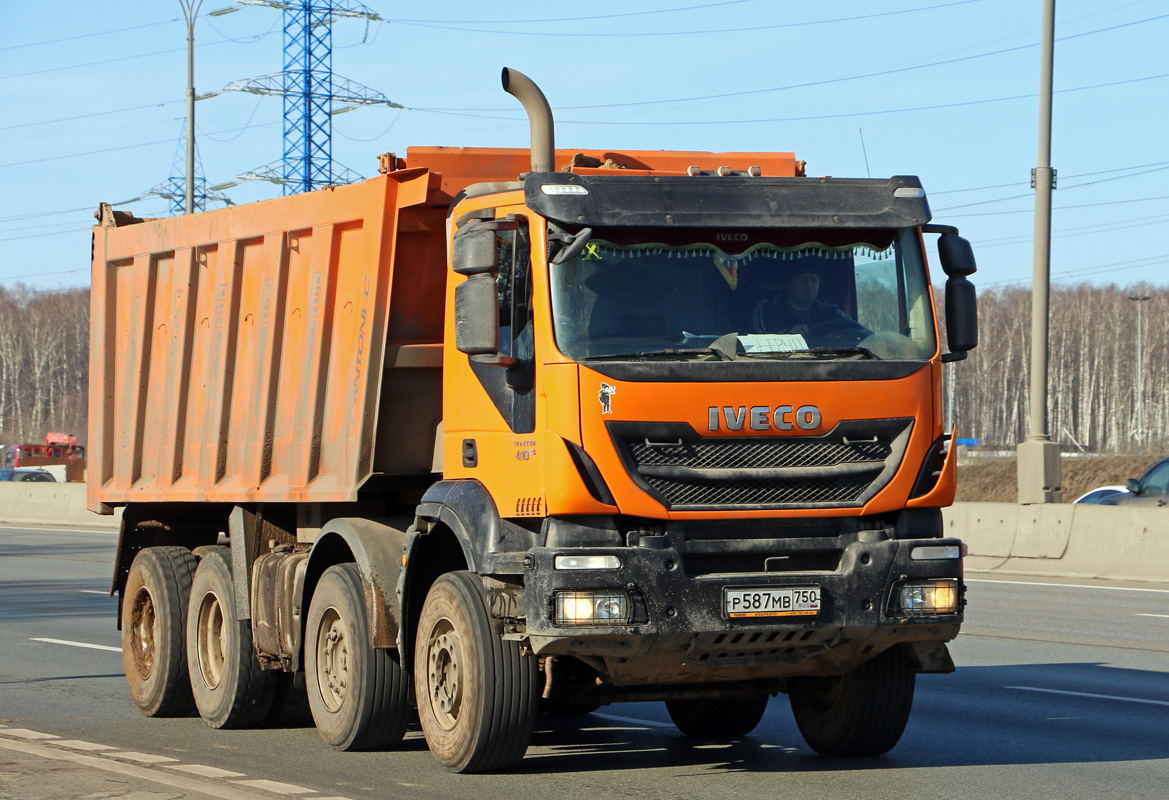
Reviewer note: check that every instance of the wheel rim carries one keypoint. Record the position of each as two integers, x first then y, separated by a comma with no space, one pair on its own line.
332,660
212,640
822,693
443,675
142,633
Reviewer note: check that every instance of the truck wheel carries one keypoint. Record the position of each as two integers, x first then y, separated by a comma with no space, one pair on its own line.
717,719
230,688
357,693
477,694
154,623
860,713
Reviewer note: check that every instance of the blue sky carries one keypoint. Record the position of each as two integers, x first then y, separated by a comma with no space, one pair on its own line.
91,106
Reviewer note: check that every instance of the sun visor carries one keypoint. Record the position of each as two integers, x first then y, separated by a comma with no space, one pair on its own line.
726,202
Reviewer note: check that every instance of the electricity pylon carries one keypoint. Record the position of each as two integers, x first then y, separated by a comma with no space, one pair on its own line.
310,90
174,188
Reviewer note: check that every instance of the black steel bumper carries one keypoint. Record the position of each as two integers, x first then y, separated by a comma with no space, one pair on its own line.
679,632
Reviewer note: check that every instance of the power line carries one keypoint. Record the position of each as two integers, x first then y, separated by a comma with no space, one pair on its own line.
880,73
1065,188
254,38
1061,208
565,19
89,116
752,28
1118,266
1078,175
1066,233
88,35
43,274
123,147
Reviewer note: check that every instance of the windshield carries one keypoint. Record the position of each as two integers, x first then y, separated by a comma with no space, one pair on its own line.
677,294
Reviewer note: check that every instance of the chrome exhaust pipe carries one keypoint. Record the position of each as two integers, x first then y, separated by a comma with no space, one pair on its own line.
539,112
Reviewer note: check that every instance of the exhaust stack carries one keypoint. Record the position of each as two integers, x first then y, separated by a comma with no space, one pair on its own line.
539,112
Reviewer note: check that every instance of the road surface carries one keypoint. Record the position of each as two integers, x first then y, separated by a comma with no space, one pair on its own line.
1062,691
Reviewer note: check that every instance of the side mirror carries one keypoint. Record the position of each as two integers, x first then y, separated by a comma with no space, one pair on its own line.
477,314
1133,486
961,318
473,251
957,255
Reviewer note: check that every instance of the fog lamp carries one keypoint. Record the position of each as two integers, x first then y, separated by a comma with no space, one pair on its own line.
928,598
602,607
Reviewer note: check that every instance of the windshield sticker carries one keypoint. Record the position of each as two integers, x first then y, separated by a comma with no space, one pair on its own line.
606,397
591,253
773,342
729,269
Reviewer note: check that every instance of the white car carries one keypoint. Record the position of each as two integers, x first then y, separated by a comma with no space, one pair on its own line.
1096,495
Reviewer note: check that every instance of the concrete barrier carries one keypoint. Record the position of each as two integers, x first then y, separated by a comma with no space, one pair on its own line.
1060,540
1064,540
36,503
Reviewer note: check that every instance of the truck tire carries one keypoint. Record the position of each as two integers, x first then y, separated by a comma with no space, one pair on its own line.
154,624
717,719
230,688
477,694
358,694
860,713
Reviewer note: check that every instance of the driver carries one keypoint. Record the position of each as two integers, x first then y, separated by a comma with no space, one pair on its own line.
797,310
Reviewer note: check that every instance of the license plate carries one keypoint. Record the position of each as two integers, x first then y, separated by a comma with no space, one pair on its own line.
793,601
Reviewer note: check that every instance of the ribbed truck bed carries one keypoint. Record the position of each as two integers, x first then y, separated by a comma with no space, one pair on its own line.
245,354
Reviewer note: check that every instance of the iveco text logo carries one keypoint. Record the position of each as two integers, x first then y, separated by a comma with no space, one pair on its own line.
762,418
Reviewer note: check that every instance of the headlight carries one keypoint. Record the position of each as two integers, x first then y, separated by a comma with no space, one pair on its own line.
600,607
926,598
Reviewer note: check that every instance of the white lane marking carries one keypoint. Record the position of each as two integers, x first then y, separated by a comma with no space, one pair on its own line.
204,771
1070,586
94,591
1093,696
142,758
647,722
275,786
66,531
78,644
25,733
76,744
224,791
1160,616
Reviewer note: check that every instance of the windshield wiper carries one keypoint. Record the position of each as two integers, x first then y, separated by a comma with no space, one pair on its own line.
665,351
851,350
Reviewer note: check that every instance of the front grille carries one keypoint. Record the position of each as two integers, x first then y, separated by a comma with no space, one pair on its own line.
731,453
685,471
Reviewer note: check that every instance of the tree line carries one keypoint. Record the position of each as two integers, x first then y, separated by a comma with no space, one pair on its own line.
44,363
1093,403
44,367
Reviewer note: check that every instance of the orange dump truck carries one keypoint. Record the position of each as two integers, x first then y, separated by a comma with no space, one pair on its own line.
488,434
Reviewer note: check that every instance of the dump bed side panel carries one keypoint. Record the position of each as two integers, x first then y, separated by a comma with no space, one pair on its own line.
237,355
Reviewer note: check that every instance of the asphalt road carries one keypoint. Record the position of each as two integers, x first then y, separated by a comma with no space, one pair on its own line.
1062,691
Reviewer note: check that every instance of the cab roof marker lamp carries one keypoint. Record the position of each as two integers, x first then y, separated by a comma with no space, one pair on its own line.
937,552
563,188
909,191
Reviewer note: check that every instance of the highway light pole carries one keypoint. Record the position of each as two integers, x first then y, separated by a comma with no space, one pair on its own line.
1038,461
190,13
1140,431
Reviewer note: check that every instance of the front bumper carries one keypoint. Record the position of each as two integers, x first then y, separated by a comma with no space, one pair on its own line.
678,632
